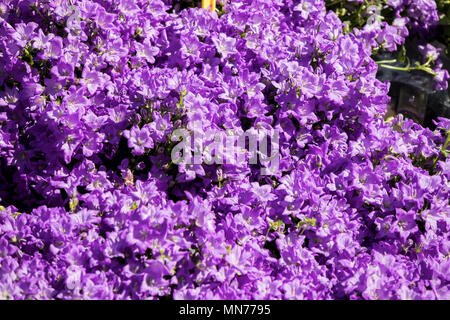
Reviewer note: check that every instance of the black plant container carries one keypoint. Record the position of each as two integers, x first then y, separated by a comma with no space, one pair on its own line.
412,93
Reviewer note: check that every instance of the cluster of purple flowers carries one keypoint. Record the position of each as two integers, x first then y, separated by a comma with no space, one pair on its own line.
92,207
385,25
388,31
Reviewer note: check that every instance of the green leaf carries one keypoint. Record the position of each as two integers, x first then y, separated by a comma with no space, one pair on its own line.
276,225
16,214
134,206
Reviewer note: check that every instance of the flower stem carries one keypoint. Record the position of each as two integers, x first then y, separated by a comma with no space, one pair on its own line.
424,67
386,61
395,68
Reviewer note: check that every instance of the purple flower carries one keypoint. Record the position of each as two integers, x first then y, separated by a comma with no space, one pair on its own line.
309,83
336,90
146,51
139,139
104,20
306,7
160,126
225,45
128,7
63,70
41,41
26,31
92,80
53,49
9,97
